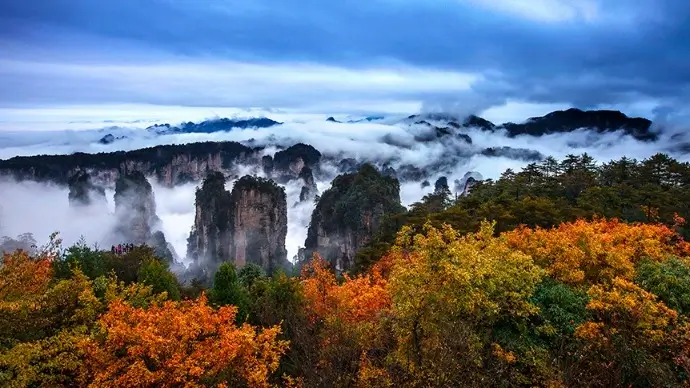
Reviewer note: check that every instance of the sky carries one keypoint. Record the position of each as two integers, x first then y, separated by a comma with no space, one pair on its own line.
72,71
506,59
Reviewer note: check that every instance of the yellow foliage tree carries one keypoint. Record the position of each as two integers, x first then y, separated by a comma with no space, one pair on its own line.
631,336
42,331
447,290
54,361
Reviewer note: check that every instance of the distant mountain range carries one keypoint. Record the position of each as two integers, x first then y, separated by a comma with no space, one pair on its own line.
215,125
561,121
171,164
364,120
207,126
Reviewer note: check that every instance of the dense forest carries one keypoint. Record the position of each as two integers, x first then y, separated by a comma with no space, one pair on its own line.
548,193
564,274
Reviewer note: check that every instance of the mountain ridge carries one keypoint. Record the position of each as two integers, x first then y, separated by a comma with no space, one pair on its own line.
206,126
176,164
213,125
559,121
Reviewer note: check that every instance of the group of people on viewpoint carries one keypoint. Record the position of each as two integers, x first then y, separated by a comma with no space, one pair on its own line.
120,249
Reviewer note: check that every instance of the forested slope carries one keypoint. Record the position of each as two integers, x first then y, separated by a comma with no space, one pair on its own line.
565,274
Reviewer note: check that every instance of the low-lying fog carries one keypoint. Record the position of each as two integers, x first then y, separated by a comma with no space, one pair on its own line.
41,208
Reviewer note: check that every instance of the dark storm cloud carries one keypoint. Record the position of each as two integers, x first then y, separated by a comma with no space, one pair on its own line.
620,52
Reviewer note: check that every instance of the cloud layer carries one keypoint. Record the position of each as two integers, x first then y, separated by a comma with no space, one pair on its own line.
362,56
42,209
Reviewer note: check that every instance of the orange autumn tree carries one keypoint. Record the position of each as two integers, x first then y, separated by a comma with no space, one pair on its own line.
345,317
24,280
629,335
180,344
592,251
22,276
357,300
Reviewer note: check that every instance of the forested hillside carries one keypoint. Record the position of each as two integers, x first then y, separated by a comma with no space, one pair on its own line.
564,274
548,193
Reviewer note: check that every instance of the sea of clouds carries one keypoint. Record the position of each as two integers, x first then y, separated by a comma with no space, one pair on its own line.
41,208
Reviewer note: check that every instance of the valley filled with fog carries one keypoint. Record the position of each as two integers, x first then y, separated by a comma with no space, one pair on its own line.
398,142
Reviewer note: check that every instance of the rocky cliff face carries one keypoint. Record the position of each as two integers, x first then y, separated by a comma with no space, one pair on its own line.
349,213
209,240
463,186
309,189
83,192
441,185
247,225
169,164
267,164
289,163
135,208
136,221
259,223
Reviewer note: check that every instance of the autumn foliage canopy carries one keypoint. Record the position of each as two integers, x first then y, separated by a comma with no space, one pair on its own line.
536,307
522,284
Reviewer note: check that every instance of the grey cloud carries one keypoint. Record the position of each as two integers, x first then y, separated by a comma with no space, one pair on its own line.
637,50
